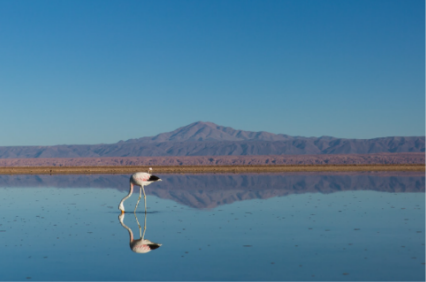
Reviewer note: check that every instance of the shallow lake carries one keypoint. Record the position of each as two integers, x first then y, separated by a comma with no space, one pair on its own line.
318,226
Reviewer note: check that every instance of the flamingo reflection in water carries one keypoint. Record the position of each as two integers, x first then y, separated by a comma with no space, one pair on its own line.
141,179
141,245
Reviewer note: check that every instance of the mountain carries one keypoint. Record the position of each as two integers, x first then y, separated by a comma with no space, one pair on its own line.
208,131
209,139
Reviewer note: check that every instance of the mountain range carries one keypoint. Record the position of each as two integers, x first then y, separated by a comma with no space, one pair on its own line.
209,139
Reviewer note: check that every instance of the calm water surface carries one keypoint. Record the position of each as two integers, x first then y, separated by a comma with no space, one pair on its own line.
215,227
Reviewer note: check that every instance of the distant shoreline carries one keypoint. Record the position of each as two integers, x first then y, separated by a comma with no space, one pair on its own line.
207,169
229,160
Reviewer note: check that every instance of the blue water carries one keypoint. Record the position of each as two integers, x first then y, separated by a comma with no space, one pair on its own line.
215,227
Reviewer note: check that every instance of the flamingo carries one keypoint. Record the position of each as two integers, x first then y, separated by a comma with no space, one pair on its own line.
141,179
140,245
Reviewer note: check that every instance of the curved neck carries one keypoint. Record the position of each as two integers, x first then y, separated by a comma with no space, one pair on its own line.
128,229
126,197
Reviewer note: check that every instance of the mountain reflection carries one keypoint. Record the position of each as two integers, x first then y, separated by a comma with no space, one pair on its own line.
203,191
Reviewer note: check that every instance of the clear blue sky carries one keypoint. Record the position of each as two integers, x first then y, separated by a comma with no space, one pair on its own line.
87,72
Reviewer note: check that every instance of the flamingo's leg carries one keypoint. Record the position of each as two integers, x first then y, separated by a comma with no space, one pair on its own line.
144,228
144,197
137,221
140,196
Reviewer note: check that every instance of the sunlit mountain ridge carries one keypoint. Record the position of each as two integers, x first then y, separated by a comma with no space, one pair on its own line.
209,139
208,131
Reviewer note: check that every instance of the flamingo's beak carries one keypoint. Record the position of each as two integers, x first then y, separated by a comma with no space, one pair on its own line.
122,212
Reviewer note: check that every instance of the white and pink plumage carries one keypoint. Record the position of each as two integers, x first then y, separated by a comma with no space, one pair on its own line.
140,245
140,179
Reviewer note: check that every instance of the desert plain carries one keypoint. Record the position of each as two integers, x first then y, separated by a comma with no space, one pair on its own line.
217,164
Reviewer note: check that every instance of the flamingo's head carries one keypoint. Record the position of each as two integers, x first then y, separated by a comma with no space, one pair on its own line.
121,207
121,217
